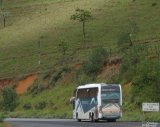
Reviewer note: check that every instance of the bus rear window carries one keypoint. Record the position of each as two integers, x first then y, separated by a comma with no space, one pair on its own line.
110,92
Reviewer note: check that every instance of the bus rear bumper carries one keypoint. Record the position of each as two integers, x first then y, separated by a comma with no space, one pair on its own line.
101,117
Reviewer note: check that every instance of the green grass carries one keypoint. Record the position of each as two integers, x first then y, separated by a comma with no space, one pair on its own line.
48,21
19,39
1,117
28,25
57,101
140,116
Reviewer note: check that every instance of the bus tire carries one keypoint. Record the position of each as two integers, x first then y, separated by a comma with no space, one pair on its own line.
91,117
96,120
79,120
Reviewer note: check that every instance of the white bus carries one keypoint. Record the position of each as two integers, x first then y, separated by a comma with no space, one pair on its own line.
97,102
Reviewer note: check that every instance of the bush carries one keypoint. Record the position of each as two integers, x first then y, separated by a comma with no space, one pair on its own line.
146,83
9,99
2,116
95,61
133,56
27,106
144,75
154,4
40,105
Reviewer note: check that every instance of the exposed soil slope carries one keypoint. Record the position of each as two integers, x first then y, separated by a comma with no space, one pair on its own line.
25,83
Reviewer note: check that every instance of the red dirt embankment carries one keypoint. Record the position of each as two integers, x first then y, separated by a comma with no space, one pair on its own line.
25,83
21,85
110,68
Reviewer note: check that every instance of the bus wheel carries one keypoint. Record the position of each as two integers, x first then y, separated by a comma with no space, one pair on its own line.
79,120
97,120
91,117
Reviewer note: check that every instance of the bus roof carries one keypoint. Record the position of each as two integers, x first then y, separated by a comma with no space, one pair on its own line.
95,85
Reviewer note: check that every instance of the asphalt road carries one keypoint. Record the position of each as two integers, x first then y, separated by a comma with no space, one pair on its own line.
67,123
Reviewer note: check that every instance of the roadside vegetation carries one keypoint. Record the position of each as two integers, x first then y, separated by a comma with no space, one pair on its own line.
2,116
112,42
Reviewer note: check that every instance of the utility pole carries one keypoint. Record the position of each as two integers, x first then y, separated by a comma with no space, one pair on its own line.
39,52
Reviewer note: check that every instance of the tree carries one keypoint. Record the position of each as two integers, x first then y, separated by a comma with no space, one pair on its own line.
63,47
146,82
9,98
82,16
95,61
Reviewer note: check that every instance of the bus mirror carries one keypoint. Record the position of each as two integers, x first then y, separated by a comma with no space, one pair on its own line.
72,99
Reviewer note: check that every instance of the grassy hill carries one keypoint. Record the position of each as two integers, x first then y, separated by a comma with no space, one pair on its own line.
47,22
29,22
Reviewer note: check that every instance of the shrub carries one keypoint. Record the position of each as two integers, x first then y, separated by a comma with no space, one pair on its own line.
27,106
154,4
40,105
95,61
133,57
146,82
63,47
2,116
9,99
